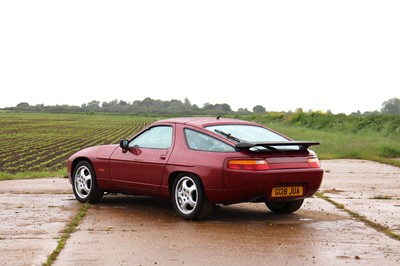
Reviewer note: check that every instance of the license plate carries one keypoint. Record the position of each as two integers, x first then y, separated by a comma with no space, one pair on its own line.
287,192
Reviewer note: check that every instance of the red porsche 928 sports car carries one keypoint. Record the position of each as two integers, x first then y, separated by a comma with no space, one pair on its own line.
199,162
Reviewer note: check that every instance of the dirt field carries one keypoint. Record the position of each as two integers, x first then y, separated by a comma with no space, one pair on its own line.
144,231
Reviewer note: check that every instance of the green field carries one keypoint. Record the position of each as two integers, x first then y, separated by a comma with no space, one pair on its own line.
35,145
38,144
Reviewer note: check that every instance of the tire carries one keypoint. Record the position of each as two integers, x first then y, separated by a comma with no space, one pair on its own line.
284,207
189,199
84,183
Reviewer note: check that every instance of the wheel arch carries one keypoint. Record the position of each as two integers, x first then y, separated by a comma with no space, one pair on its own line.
78,160
175,174
73,164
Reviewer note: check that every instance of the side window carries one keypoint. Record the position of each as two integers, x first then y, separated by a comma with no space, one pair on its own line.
202,142
159,137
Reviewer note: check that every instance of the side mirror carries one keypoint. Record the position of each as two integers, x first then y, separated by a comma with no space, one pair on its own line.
124,144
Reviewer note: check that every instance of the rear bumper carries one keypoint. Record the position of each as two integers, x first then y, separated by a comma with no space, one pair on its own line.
259,185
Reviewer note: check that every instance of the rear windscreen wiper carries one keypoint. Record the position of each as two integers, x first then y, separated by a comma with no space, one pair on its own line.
228,135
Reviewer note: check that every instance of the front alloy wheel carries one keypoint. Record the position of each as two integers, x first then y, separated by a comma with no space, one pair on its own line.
84,183
189,199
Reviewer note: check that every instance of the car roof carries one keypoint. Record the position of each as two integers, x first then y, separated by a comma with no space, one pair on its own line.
205,121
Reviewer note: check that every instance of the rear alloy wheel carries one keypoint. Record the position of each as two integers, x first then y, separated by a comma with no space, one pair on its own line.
84,183
189,199
284,206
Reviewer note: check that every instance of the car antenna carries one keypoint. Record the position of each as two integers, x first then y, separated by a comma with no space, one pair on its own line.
218,117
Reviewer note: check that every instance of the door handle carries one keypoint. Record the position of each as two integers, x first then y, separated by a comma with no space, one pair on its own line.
163,156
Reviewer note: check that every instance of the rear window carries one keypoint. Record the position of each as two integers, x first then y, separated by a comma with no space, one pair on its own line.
249,133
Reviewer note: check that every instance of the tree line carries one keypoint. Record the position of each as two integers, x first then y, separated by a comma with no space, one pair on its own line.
171,107
146,106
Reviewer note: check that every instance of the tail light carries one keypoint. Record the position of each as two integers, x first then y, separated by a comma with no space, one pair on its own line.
313,163
252,165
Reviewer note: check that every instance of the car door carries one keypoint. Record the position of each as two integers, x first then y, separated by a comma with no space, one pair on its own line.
142,166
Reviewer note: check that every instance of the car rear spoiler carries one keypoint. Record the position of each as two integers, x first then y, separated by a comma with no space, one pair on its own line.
303,145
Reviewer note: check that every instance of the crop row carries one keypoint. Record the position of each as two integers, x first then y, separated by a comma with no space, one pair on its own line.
42,142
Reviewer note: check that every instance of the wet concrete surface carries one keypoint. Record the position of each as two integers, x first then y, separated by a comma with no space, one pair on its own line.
127,230
368,188
143,231
32,214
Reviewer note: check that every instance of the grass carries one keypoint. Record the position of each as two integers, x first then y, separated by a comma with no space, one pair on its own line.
33,175
66,234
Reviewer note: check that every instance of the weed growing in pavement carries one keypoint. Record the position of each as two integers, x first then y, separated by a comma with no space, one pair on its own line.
382,197
66,234
362,218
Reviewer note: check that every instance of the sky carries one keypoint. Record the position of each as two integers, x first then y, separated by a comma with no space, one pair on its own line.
341,56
